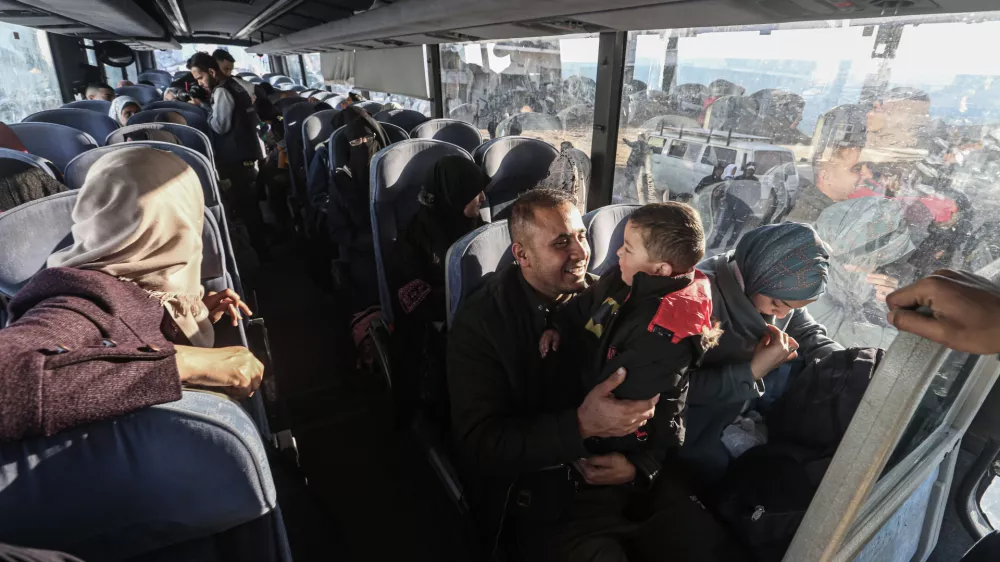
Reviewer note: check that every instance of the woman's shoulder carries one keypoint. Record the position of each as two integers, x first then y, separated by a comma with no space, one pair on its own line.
69,283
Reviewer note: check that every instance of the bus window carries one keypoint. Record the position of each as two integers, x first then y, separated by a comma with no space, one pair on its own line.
314,72
718,155
28,83
115,75
294,69
416,104
542,87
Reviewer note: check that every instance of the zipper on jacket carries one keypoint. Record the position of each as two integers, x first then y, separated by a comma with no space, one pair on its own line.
503,516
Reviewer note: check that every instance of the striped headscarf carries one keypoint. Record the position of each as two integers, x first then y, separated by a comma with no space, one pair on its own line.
783,261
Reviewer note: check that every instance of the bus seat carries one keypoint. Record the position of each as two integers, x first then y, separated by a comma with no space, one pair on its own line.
254,79
339,149
323,95
514,165
57,143
458,133
100,106
159,71
195,118
284,104
395,133
268,76
294,118
172,104
141,93
245,75
161,80
335,100
277,81
94,124
605,234
31,159
482,251
181,74
316,130
298,88
372,107
405,119
189,136
308,93
529,122
397,175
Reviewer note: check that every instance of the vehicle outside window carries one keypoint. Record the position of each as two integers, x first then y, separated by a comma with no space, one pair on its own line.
884,135
28,83
174,61
541,87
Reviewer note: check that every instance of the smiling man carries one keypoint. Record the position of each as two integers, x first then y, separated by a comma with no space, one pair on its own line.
520,420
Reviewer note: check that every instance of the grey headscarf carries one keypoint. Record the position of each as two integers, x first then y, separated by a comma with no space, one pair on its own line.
118,104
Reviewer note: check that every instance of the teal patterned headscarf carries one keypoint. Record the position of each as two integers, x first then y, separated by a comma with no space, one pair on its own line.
783,261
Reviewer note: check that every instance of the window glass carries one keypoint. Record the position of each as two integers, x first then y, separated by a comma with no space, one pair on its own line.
314,72
406,102
115,75
91,54
175,61
541,87
294,69
884,135
28,82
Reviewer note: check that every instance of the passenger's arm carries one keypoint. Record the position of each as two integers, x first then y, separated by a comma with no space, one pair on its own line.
488,432
810,335
722,384
44,390
220,117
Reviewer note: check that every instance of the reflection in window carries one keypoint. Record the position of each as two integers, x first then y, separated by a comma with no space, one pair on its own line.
542,88
28,83
294,69
314,72
176,61
404,102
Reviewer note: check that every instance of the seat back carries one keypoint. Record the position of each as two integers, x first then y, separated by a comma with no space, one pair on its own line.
100,106
284,104
395,133
181,74
57,143
307,93
195,117
316,130
606,234
372,107
171,104
189,136
294,119
31,159
161,80
405,119
142,93
91,122
471,258
458,133
514,165
246,74
277,81
397,175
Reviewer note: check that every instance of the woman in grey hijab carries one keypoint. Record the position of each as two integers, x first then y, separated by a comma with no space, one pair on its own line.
864,235
759,291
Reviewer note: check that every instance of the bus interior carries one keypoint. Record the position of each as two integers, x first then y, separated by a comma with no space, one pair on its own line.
343,455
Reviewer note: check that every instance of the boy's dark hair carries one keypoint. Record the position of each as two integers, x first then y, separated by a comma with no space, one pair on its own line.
204,62
223,55
522,212
672,233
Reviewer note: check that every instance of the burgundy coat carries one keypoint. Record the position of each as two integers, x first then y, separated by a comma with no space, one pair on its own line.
82,346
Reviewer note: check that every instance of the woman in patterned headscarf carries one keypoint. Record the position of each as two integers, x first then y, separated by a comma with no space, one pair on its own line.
759,294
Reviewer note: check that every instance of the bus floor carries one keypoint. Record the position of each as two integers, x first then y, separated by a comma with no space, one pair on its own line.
370,495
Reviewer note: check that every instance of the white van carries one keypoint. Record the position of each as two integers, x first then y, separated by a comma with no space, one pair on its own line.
682,157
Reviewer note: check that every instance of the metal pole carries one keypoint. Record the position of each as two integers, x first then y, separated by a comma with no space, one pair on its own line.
437,88
607,114
302,67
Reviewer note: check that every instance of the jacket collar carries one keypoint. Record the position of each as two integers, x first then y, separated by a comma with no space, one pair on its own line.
644,285
538,304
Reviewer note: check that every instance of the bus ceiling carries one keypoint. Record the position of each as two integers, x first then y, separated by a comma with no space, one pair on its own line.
305,26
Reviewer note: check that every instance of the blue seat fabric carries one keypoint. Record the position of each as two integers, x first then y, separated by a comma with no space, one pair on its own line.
54,142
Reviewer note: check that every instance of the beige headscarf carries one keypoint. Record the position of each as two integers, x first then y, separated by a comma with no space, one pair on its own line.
139,217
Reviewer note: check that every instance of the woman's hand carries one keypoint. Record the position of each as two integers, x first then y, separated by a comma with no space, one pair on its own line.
234,370
218,304
606,470
774,350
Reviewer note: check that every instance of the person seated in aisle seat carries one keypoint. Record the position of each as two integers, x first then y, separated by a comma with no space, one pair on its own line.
123,108
21,182
128,288
226,64
449,209
171,117
759,294
233,119
520,420
100,91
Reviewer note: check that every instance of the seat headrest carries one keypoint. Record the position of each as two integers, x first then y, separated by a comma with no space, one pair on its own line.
482,251
142,93
606,234
99,106
195,117
34,231
77,170
97,125
514,165
30,159
456,132
405,119
58,143
172,104
189,136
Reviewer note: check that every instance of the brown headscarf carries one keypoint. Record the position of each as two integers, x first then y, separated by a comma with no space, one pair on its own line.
139,217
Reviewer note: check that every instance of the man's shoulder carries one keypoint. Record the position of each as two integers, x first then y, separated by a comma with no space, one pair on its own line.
487,299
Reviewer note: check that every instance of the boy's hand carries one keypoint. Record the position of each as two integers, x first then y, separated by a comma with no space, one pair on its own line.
549,341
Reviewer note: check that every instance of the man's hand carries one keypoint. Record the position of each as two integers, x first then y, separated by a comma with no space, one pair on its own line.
195,101
234,370
774,350
549,342
965,311
603,415
218,304
606,470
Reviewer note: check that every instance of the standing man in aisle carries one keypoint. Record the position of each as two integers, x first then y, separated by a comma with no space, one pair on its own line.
233,119
226,65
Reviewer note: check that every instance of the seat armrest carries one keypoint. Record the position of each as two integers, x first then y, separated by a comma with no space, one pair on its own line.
133,484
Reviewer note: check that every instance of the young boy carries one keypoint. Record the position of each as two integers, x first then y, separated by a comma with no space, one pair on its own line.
652,316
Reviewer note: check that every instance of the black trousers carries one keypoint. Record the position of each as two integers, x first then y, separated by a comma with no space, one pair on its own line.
242,199
621,524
